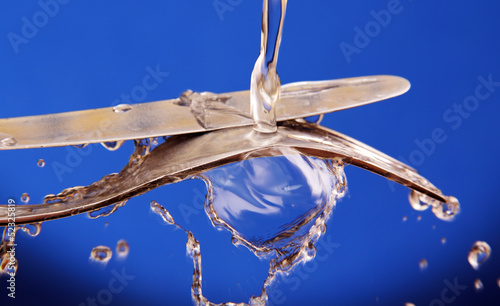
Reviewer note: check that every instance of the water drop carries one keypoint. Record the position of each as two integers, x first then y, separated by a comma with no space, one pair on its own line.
8,142
101,254
443,240
157,208
423,264
409,304
122,108
122,248
32,229
405,218
40,163
419,218
478,254
113,146
498,282
81,146
419,201
447,211
478,285
25,198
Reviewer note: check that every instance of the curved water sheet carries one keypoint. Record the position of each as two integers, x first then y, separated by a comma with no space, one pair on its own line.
275,206
183,156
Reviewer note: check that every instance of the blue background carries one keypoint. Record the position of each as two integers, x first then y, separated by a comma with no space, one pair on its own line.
91,52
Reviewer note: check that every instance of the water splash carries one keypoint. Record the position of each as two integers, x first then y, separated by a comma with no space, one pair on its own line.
106,211
163,212
478,254
8,261
101,254
265,84
277,207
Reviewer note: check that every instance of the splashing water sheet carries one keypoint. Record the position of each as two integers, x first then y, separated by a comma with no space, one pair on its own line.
274,224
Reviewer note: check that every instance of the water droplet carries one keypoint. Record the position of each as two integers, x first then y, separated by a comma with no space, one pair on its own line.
409,304
32,229
498,282
113,146
478,285
423,264
419,218
81,146
447,211
405,218
122,248
157,208
420,201
101,254
122,108
443,240
40,163
8,142
25,198
478,254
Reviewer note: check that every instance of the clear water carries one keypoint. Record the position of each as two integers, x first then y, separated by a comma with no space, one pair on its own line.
265,84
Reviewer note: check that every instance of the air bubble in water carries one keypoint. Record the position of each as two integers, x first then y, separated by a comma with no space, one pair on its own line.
423,264
122,108
8,142
101,254
478,254
122,248
478,285
25,198
40,163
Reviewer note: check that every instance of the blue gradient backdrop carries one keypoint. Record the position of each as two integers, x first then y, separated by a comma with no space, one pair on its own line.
86,54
